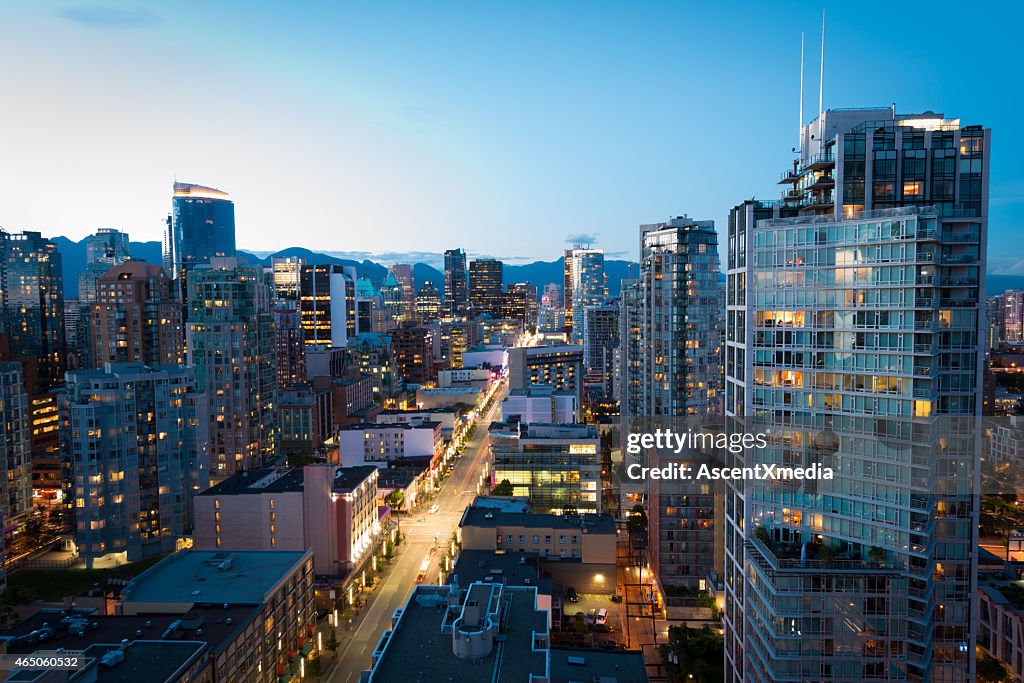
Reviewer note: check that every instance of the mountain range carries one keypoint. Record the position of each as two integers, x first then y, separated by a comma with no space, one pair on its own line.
538,273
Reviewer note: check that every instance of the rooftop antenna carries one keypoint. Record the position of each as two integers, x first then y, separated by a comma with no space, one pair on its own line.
800,127
821,76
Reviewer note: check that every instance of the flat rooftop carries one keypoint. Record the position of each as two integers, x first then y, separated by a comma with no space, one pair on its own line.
511,569
418,652
266,480
493,518
347,478
569,665
144,661
218,625
193,577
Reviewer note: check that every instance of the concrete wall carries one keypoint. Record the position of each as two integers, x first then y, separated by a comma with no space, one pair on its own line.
248,522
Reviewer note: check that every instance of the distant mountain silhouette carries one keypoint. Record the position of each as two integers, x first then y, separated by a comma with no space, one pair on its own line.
538,273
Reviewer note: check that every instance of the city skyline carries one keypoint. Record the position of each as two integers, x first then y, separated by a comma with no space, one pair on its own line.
397,122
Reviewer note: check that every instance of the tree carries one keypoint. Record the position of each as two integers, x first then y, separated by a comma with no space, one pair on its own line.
876,554
637,519
297,460
395,499
332,640
504,488
699,655
991,670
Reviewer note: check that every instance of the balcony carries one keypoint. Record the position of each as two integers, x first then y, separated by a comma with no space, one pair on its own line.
820,162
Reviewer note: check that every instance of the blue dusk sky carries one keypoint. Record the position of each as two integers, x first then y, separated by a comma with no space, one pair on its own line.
504,128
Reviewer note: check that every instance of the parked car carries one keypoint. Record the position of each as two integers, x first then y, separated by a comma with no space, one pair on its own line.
602,617
433,509
571,595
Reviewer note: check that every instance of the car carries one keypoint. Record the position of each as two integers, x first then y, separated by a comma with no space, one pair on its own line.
571,595
602,617
433,508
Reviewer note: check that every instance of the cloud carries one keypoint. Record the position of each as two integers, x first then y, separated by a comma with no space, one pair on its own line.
581,238
112,18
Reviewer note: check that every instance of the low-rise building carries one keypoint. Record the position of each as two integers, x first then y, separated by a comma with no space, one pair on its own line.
331,509
429,399
541,404
383,444
278,633
475,377
575,550
556,466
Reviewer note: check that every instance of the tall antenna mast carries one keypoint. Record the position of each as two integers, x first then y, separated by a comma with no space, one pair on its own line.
821,76
800,127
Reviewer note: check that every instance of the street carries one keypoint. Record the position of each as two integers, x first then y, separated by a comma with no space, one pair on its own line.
419,531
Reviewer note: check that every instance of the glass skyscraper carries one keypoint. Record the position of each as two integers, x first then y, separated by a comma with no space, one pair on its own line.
201,226
456,288
230,341
854,321
32,306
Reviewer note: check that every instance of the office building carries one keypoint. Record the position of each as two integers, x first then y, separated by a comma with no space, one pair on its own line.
135,317
32,304
457,336
540,404
413,348
15,447
560,367
327,302
373,355
486,287
135,438
585,285
230,341
456,287
268,596
428,303
331,509
289,344
994,319
201,227
600,343
521,305
406,293
854,312
1013,316
287,275
629,375
551,313
556,466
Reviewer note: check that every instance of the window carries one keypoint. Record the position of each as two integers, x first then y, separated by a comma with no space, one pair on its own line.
508,539
536,538
522,538
547,539
575,540
561,540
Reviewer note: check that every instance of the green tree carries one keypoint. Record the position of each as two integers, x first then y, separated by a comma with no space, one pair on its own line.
991,670
504,488
395,499
332,640
637,519
699,652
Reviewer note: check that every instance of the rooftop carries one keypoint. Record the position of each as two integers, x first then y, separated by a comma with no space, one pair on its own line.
491,518
419,652
567,666
370,426
513,569
143,660
348,478
206,576
266,480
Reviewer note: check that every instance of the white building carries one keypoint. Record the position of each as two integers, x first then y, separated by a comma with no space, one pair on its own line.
541,404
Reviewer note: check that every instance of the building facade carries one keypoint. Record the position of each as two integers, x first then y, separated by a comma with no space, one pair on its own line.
560,367
135,317
230,341
201,226
15,447
136,440
854,322
456,286
327,302
486,287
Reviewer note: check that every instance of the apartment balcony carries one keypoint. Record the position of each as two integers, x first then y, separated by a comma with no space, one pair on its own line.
792,558
960,237
789,177
824,182
820,162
